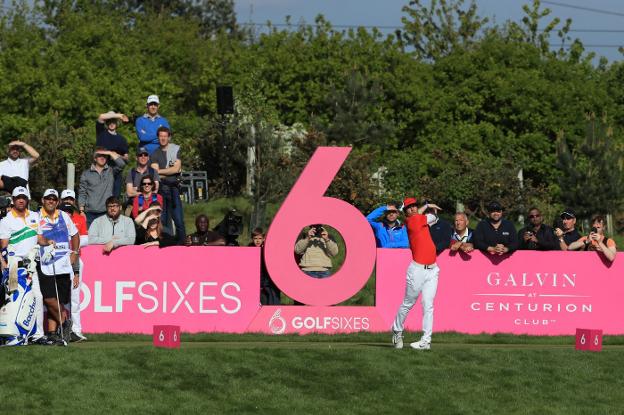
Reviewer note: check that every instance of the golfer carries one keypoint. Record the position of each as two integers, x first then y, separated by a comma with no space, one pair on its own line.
422,273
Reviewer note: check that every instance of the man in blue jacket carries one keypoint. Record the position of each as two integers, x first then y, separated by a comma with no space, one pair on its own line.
389,232
148,124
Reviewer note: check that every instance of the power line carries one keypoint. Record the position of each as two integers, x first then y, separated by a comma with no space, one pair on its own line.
587,9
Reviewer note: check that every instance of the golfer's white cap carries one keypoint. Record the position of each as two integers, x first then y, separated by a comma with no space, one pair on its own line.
20,191
68,193
50,192
153,98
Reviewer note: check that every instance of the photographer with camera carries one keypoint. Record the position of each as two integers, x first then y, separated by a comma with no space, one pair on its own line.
537,236
316,250
565,230
596,240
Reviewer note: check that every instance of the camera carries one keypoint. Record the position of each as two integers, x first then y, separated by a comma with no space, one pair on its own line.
317,229
230,228
68,208
5,202
593,230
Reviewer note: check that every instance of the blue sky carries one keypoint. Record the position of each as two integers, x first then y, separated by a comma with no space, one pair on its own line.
388,13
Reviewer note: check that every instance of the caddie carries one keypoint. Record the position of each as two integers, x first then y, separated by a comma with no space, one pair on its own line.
18,237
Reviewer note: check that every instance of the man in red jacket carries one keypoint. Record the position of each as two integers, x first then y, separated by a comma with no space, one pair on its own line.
422,273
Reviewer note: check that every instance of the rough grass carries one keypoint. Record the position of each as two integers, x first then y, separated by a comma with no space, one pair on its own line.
346,374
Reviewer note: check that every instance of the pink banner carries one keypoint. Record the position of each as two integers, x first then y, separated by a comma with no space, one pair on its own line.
201,289
216,289
526,293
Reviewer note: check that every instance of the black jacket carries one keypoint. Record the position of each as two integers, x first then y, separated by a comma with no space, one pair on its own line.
485,235
546,239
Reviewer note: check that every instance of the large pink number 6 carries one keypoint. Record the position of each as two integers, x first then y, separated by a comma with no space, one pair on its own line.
306,205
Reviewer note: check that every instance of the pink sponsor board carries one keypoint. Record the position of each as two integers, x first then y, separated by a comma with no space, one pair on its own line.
526,293
200,289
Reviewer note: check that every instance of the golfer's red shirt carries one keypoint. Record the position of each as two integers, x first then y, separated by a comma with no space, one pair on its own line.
421,244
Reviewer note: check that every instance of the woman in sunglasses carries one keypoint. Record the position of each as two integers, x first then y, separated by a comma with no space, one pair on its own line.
146,196
150,230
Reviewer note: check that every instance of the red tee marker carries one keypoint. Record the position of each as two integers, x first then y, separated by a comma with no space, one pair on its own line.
167,337
588,339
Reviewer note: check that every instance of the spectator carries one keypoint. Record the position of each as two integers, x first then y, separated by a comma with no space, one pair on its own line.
537,236
109,139
96,184
150,231
146,197
389,232
269,293
440,230
18,236
113,229
166,161
565,230
59,249
147,126
596,240
14,171
203,236
495,235
462,240
68,205
316,250
135,175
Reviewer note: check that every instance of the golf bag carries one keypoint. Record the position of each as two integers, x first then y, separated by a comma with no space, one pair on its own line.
18,318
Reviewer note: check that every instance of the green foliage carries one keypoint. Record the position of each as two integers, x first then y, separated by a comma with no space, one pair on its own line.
593,174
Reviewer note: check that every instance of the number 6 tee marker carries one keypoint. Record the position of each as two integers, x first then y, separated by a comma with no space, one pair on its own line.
306,205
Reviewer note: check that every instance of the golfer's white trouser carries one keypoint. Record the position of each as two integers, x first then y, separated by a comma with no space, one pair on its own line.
419,279
38,304
75,301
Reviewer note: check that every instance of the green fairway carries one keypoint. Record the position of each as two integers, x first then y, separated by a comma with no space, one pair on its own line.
358,374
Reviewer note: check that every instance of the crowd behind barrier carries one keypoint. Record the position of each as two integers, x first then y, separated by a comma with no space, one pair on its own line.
153,216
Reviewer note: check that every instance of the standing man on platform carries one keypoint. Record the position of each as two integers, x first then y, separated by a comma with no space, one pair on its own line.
422,273
108,138
148,125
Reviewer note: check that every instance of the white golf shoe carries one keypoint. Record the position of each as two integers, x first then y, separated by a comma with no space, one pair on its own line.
397,339
421,345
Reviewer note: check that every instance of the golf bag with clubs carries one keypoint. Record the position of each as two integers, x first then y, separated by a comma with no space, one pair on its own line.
18,306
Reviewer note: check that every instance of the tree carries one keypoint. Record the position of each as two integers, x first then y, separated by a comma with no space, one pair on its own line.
441,28
592,176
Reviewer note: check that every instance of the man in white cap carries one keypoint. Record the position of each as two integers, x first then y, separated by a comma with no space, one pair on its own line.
108,138
68,205
59,247
148,124
18,236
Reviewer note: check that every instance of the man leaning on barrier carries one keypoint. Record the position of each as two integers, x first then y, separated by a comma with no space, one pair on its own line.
389,231
537,236
565,230
462,237
495,235
113,229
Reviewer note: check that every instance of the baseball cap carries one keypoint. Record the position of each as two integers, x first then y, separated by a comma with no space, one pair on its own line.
153,98
494,207
568,213
142,150
409,201
20,191
68,193
50,192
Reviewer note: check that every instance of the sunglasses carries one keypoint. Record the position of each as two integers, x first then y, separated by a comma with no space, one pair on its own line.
392,211
50,198
143,155
147,184
534,216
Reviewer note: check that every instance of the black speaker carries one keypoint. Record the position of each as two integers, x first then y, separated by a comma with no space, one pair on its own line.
225,100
